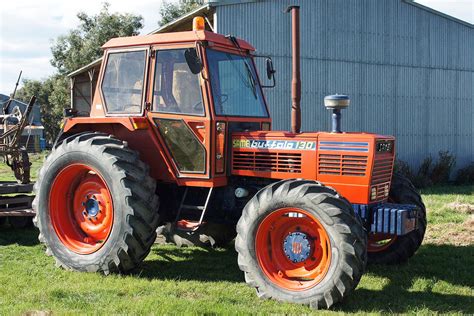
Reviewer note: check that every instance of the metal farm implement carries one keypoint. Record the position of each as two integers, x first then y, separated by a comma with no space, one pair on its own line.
15,198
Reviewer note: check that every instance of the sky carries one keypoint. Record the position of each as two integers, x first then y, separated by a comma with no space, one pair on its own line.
27,28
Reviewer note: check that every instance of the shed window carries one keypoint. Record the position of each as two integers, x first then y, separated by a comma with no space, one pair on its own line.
123,82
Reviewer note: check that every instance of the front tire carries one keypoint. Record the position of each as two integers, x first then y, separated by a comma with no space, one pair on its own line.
96,205
299,241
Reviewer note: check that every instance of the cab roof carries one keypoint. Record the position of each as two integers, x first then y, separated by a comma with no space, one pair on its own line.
174,37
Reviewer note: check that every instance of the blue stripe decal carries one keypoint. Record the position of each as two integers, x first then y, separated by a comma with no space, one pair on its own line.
343,143
343,149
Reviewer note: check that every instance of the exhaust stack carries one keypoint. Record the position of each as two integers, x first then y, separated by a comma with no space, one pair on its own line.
295,81
336,103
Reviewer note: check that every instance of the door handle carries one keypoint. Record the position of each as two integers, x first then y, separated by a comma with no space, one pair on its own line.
199,127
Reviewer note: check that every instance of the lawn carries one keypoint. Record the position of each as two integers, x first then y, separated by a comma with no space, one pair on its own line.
439,278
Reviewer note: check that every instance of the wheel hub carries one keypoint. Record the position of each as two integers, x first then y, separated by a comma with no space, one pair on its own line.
91,206
297,247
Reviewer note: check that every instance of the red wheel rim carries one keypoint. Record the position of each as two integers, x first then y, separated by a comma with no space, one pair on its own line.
379,242
81,209
293,249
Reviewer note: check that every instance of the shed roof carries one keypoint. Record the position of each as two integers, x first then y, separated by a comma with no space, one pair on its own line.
91,65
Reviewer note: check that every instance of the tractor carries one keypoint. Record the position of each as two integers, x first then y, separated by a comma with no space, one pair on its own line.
178,139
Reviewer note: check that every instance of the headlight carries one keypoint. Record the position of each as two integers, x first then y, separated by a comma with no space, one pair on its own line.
373,193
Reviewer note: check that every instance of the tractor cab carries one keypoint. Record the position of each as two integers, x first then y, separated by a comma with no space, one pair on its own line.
191,89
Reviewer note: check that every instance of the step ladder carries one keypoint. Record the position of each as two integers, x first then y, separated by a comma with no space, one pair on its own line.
188,225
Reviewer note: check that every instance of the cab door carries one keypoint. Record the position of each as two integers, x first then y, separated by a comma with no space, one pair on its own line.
177,111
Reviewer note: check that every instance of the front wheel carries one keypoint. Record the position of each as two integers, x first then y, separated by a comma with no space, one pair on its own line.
96,205
299,241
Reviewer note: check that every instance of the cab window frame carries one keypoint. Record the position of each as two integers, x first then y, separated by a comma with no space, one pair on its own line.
144,87
156,51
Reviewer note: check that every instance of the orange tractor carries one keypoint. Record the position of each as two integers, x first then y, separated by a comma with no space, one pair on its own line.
179,136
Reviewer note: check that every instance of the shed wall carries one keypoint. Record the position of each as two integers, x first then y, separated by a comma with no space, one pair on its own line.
409,72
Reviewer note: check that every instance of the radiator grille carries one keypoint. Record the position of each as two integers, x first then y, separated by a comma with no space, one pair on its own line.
342,165
382,171
381,175
264,161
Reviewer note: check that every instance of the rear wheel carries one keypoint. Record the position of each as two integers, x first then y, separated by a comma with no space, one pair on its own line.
95,204
299,241
391,250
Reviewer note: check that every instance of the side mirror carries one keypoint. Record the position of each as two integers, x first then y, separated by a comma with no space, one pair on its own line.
270,70
193,60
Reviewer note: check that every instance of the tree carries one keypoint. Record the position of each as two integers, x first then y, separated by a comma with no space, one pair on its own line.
83,44
77,48
170,11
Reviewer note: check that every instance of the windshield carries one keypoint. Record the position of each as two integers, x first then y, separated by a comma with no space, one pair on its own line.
235,88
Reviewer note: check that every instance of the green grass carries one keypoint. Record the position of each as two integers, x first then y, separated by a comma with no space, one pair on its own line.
437,199
193,280
439,278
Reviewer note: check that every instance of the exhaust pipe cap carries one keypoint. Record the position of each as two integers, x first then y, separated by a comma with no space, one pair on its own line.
336,102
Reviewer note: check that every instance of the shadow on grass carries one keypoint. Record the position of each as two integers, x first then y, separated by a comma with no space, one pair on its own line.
420,283
22,237
198,264
432,263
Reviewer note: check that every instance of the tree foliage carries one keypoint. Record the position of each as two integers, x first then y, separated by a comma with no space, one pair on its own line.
72,51
83,44
170,11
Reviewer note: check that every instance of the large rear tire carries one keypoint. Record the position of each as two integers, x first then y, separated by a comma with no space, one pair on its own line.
96,205
400,248
299,241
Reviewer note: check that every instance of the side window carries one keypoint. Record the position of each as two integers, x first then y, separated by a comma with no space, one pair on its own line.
123,82
177,89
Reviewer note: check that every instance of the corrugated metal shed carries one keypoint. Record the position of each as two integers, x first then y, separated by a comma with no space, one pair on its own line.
409,72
